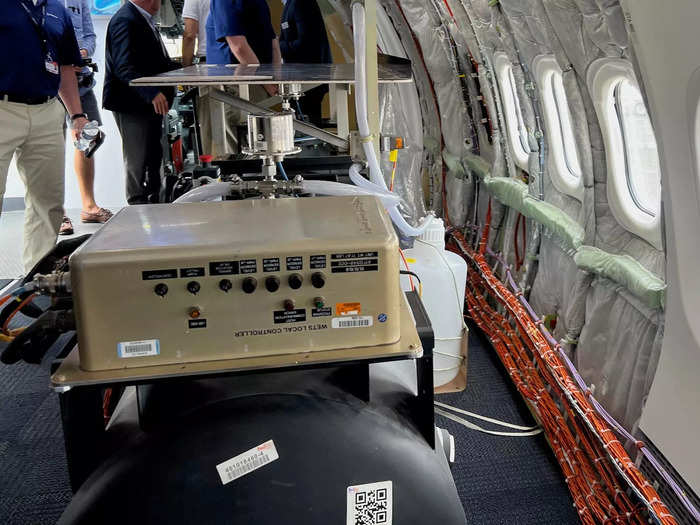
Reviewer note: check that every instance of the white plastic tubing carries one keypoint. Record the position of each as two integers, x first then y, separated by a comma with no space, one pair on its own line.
376,180
217,190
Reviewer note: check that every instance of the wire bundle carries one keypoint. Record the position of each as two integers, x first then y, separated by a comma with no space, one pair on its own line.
589,453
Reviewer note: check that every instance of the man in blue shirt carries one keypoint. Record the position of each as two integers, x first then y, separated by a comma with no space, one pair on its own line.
79,11
41,52
241,32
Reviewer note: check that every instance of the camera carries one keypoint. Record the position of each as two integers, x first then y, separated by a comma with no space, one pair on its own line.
86,76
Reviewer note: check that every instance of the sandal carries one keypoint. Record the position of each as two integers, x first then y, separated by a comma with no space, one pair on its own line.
101,216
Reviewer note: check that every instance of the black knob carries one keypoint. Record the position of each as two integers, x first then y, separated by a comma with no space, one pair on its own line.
225,285
272,284
161,289
318,280
295,281
193,287
249,284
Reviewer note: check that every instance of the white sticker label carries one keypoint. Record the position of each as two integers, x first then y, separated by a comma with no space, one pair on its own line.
370,504
139,348
285,25
247,462
352,322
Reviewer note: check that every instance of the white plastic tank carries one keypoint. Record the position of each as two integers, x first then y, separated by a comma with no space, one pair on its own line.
443,275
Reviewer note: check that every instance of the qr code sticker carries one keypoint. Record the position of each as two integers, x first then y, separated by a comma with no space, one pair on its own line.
370,504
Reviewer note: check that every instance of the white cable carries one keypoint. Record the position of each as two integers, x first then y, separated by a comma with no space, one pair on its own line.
484,418
472,426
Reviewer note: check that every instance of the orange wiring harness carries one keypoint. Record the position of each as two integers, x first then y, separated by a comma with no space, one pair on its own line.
21,305
593,460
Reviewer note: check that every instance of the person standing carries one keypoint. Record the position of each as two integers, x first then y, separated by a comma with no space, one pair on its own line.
195,14
135,49
79,11
42,51
239,32
303,40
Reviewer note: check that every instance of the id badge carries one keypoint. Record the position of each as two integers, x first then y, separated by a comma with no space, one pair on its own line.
51,65
285,25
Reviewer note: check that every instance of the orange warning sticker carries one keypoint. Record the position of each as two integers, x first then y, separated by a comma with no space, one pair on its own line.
348,308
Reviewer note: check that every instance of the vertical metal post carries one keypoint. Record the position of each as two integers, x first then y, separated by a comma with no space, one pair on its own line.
372,71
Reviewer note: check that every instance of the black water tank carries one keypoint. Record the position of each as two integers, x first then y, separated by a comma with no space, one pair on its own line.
324,446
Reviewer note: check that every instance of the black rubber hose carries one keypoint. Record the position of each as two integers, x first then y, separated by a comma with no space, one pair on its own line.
49,262
32,344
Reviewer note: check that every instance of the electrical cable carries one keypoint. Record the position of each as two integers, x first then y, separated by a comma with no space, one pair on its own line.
14,312
405,262
485,418
474,426
413,274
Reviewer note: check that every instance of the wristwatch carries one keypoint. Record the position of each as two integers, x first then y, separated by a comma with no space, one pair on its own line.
79,115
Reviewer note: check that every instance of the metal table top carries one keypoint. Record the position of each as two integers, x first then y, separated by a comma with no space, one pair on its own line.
234,74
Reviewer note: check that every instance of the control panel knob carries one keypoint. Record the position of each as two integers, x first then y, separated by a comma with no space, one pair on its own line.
161,289
249,284
289,305
225,285
193,287
295,281
318,280
272,284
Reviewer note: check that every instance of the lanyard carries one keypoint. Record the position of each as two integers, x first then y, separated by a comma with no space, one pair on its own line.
39,27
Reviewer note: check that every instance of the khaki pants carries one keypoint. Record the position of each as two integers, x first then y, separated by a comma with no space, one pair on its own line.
34,136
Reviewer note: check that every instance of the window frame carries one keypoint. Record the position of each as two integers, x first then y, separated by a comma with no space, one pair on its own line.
518,137
604,77
563,159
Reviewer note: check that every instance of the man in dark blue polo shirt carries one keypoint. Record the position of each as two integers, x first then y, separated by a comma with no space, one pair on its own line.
241,32
41,50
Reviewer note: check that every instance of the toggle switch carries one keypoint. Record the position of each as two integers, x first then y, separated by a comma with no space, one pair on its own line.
161,289
193,287
225,285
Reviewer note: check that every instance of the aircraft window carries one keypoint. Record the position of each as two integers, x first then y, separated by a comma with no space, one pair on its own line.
515,123
642,169
634,172
565,169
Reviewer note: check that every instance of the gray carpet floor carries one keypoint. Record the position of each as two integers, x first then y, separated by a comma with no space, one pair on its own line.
500,480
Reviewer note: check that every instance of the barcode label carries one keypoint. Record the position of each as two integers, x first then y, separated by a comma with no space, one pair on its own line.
352,322
370,504
138,348
247,462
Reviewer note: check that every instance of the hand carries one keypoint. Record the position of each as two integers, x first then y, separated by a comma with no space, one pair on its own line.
78,125
77,69
272,89
84,53
160,104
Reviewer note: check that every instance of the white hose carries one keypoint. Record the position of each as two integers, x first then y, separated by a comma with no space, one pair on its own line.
321,187
376,180
208,192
